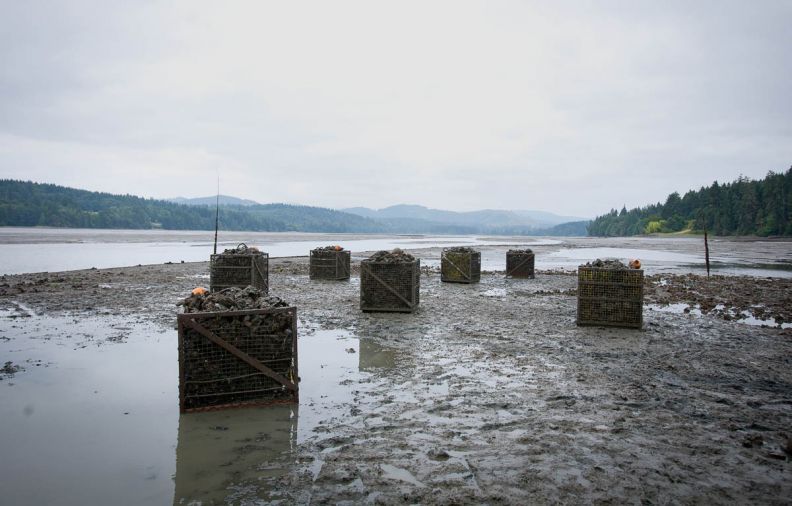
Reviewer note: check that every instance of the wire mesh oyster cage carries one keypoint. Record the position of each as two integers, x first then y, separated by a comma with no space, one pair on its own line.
239,267
237,358
329,263
460,265
390,283
520,264
610,297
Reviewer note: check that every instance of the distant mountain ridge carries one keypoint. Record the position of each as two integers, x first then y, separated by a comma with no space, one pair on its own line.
29,204
483,221
424,217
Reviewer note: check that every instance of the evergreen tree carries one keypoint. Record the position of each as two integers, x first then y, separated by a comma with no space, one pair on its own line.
743,207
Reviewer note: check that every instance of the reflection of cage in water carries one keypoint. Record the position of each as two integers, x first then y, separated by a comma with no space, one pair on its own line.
610,297
329,264
218,450
237,358
372,356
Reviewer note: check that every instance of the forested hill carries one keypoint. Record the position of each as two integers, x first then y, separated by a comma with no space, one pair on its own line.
27,204
744,207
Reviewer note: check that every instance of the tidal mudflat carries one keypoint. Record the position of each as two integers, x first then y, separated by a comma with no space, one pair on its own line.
489,393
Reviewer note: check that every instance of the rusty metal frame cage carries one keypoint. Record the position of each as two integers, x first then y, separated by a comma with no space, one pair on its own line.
460,267
390,286
329,265
237,358
610,297
239,270
520,265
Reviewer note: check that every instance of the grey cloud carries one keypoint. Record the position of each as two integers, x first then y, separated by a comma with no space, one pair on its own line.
536,108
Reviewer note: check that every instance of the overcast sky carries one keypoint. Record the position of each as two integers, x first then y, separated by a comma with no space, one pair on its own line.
568,107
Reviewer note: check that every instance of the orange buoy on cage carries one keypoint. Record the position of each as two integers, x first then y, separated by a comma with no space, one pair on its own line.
200,291
635,264
338,248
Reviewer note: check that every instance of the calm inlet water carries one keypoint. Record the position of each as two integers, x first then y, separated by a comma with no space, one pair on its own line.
97,422
51,250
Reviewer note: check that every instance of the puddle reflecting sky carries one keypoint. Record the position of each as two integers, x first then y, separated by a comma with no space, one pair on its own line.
97,422
93,424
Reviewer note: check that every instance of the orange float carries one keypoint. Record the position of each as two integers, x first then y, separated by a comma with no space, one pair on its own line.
200,291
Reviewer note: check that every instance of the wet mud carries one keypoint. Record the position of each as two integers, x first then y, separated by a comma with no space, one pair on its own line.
488,393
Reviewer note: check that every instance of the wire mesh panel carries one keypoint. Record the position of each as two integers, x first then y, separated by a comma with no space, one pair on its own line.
520,265
611,297
390,286
237,358
460,267
239,270
332,265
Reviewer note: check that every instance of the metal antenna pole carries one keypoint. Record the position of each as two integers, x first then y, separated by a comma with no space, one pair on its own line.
217,212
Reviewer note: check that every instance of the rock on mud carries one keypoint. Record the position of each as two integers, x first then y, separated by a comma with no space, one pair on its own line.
9,369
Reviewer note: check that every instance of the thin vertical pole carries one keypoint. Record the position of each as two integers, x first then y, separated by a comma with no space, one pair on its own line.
706,252
217,213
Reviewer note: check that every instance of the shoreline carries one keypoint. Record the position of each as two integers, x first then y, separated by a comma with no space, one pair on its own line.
491,392
727,297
